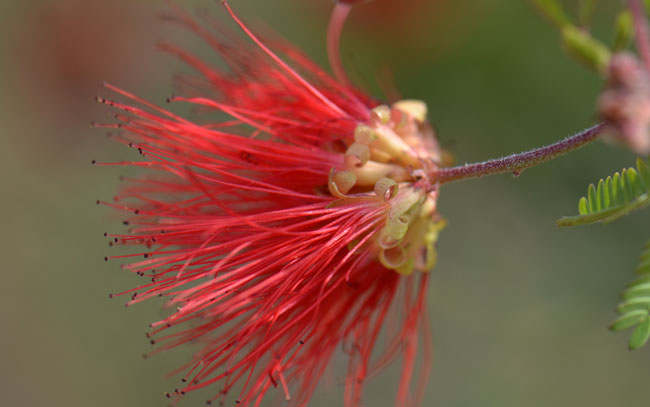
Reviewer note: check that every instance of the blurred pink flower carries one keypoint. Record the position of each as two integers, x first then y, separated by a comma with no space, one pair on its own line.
625,103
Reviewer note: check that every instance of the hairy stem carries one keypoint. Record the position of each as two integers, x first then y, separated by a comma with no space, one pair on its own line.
516,163
641,30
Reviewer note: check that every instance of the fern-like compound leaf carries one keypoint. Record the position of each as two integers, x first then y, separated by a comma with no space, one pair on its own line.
614,197
635,309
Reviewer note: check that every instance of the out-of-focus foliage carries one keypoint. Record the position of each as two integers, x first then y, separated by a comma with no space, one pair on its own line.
577,40
636,305
624,192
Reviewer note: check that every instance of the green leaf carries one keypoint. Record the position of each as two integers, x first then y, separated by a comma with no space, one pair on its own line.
644,171
637,290
592,197
583,206
640,335
635,307
587,50
554,11
642,303
624,31
600,195
614,197
628,320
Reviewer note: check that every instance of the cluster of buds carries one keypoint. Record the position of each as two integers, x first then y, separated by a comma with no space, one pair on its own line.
392,159
625,103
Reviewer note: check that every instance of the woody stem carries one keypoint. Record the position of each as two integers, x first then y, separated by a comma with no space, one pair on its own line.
516,163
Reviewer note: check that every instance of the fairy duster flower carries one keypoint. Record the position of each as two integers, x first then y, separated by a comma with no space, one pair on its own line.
298,224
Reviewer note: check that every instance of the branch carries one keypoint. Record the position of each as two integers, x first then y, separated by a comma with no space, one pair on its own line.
516,163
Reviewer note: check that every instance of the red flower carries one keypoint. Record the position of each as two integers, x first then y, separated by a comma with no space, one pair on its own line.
284,231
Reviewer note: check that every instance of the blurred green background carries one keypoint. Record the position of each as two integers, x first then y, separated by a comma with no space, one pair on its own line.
519,307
